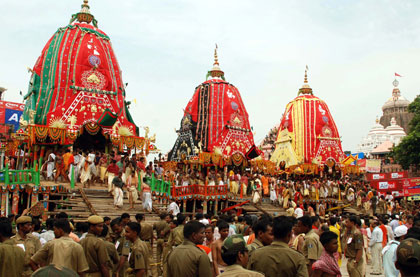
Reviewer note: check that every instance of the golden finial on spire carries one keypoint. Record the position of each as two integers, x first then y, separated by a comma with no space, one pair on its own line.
305,89
216,71
84,15
216,60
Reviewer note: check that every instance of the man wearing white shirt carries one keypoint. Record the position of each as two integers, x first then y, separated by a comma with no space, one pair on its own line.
200,218
390,252
92,156
394,222
375,245
390,232
50,166
49,234
173,208
298,212
389,197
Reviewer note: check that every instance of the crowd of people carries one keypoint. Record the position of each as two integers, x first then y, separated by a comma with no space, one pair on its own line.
295,244
94,167
311,239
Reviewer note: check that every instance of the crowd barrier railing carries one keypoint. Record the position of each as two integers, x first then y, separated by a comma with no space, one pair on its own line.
164,188
19,177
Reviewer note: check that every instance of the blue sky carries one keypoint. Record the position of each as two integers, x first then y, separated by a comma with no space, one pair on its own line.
165,49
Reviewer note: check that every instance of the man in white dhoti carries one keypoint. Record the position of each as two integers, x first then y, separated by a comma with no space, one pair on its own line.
81,163
76,167
92,156
88,170
256,193
50,166
132,184
173,208
118,192
112,171
273,193
146,196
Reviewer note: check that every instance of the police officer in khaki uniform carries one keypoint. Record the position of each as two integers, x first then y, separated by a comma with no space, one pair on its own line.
235,255
121,244
12,257
95,249
114,258
71,254
312,247
353,247
24,239
278,259
139,255
187,259
263,230
382,205
176,237
162,233
146,235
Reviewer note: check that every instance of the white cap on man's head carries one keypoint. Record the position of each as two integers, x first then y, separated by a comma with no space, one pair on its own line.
400,231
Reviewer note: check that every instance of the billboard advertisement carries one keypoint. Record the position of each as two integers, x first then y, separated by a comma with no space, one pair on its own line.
373,166
411,186
10,113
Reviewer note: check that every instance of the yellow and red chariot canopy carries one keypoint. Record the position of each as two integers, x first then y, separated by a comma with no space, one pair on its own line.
308,134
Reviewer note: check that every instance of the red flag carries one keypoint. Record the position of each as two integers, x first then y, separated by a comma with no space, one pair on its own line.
397,75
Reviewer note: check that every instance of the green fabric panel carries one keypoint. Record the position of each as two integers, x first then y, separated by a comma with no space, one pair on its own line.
43,79
31,96
69,63
127,112
60,69
52,69
130,119
107,119
47,76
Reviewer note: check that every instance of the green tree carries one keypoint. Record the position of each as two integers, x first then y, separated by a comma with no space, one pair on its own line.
408,151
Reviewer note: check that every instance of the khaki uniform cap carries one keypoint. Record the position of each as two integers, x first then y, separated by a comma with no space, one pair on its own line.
95,219
24,219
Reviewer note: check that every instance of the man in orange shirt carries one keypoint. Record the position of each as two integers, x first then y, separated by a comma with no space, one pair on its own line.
382,222
266,189
59,166
68,159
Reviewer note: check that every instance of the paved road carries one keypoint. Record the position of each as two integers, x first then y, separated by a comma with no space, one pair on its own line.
345,274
